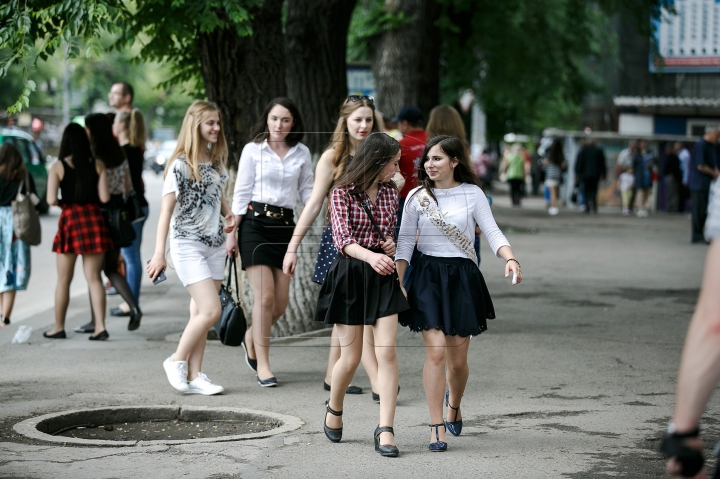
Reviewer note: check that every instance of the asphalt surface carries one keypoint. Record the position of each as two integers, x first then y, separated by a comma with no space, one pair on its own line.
574,379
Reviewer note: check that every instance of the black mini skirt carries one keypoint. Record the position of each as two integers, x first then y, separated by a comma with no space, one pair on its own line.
355,294
448,295
264,240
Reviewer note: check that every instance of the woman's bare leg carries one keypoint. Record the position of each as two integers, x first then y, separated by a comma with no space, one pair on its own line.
434,379
385,330
195,356
92,265
204,312
457,372
350,345
263,286
65,270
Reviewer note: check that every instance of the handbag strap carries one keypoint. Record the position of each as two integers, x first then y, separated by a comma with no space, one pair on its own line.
232,273
365,206
23,182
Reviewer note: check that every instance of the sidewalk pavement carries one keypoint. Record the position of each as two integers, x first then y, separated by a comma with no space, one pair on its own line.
574,379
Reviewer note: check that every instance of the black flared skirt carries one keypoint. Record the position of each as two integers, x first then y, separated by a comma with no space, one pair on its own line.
449,295
264,240
355,294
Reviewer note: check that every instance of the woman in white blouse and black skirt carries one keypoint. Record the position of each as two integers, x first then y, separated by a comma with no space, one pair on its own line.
273,170
448,297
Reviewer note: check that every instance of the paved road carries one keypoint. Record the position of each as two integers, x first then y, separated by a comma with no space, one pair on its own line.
574,379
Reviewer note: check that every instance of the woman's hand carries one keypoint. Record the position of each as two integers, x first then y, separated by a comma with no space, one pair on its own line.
514,267
381,263
156,266
231,244
229,223
388,246
289,263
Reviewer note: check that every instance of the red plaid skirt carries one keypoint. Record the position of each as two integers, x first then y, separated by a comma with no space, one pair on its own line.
82,229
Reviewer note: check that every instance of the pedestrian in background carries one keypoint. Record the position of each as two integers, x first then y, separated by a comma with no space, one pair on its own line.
121,96
361,287
410,122
554,166
703,170
106,149
356,120
537,170
643,167
514,168
672,178
589,170
274,169
129,128
14,253
627,186
82,230
192,210
447,293
684,156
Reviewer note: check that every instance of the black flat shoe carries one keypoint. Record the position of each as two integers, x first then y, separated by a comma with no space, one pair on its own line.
252,363
376,397
384,449
267,383
349,390
58,335
85,328
135,317
334,434
119,312
453,427
100,336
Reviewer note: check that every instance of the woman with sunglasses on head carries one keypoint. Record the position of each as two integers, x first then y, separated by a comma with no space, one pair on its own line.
361,290
447,293
274,168
356,121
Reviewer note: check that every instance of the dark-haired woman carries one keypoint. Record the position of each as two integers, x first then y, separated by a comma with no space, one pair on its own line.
273,170
107,149
14,254
82,230
554,166
447,293
361,287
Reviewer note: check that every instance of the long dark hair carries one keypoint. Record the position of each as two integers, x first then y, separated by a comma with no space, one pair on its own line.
555,152
104,145
75,143
372,155
455,150
12,165
261,133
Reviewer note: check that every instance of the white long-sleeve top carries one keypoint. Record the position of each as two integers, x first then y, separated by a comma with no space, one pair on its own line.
265,178
463,206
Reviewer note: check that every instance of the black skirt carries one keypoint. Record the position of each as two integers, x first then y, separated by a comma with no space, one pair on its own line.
264,240
449,295
355,294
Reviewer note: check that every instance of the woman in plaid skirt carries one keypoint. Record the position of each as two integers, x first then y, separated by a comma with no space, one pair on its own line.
361,287
82,183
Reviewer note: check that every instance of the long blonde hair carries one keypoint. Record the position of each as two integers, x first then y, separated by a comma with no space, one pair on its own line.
445,120
189,139
340,141
134,124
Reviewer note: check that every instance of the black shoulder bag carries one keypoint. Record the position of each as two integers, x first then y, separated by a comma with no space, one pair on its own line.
231,325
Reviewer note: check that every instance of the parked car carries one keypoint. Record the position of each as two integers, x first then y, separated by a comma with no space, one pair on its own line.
35,161
162,155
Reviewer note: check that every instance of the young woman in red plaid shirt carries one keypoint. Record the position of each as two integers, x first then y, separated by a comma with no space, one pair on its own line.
82,229
361,287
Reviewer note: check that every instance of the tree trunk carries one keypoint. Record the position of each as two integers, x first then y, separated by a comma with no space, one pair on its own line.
396,57
428,88
242,74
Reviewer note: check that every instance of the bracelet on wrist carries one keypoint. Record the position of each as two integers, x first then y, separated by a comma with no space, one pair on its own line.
513,259
672,430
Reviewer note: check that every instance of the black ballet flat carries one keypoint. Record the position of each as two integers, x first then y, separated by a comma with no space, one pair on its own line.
135,317
86,328
58,335
384,449
252,363
100,336
119,312
349,390
453,427
376,397
334,434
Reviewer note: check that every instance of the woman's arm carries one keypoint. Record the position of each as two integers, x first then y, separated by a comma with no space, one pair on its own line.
53,185
103,188
157,263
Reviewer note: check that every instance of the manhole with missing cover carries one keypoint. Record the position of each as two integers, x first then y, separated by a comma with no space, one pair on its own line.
145,425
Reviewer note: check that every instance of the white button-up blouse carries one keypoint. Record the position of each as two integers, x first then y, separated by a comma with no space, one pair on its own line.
265,178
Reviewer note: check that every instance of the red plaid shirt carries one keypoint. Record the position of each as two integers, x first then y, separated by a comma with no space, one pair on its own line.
350,223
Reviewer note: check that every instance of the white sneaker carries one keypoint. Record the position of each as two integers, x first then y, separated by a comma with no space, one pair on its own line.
202,385
176,373
553,211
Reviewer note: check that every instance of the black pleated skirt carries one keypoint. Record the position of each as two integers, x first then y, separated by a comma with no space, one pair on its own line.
264,240
355,294
449,295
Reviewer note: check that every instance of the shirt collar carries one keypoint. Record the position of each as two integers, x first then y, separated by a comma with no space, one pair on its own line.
265,145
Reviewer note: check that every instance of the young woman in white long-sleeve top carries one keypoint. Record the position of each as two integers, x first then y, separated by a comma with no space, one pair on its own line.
447,293
273,170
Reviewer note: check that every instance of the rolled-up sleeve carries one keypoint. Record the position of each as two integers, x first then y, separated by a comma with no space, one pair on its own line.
306,179
408,230
244,182
484,218
340,220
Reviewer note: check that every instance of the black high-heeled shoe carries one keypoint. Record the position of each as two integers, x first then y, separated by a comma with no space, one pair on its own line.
438,445
384,449
334,434
454,427
135,317
58,335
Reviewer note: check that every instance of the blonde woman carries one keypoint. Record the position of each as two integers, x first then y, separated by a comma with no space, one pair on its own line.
191,212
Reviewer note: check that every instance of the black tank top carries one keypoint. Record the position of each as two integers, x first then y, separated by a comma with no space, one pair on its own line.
68,192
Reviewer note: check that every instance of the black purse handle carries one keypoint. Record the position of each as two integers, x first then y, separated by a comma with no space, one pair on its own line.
232,273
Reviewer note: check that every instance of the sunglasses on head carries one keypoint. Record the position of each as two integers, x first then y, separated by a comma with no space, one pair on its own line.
361,98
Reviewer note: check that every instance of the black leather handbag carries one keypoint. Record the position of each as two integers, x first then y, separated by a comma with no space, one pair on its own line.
120,226
232,325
